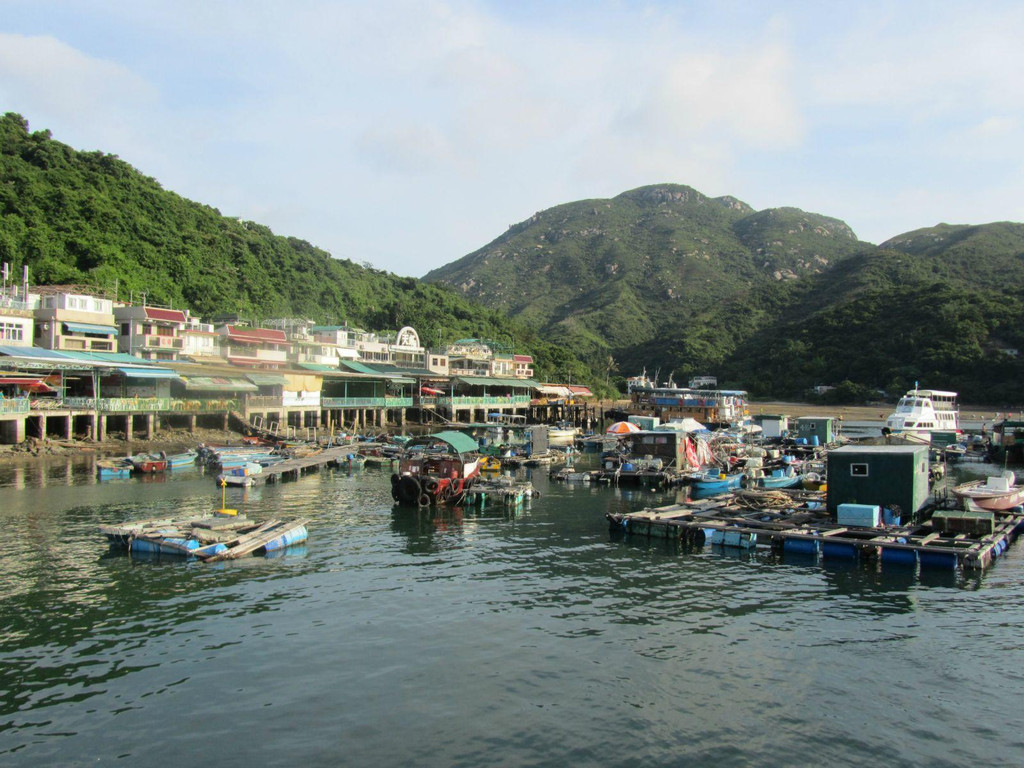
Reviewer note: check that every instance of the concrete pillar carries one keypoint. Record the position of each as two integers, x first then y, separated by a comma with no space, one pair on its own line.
129,428
69,428
42,426
100,420
227,422
191,423
150,425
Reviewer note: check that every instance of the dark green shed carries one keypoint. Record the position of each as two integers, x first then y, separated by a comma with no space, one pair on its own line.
882,475
811,427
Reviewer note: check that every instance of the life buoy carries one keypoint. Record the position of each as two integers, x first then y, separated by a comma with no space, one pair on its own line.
430,486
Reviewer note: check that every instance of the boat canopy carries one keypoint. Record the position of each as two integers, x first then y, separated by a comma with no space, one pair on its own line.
460,442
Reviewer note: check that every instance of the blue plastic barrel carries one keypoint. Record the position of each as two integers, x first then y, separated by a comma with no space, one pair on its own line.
287,539
899,556
938,560
833,549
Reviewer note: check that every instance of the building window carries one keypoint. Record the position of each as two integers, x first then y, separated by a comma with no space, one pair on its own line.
858,470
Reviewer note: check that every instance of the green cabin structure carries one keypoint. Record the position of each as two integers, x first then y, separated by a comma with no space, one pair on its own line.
887,476
820,427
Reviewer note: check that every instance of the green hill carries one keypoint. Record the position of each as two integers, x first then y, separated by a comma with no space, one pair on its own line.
90,218
612,276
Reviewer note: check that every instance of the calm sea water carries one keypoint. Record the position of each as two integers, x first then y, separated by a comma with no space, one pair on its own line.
398,637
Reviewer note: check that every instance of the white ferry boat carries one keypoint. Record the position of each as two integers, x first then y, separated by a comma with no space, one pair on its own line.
921,412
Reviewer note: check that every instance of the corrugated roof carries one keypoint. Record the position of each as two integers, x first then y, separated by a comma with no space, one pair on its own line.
104,330
218,384
172,315
267,379
149,373
238,333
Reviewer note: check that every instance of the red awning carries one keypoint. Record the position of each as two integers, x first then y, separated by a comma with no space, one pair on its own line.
30,385
432,391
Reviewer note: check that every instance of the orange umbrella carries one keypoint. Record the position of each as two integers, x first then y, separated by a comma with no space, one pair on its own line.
622,428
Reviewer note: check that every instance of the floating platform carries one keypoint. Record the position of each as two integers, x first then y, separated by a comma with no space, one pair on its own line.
797,523
504,491
211,537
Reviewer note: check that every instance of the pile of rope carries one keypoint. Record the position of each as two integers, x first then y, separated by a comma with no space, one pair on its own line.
755,499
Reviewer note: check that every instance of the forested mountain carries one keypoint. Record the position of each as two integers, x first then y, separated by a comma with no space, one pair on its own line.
774,301
611,275
90,218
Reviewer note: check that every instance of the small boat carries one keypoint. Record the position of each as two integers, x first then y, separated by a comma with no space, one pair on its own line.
993,493
563,434
712,481
490,464
813,481
148,462
784,477
180,460
436,469
246,475
107,469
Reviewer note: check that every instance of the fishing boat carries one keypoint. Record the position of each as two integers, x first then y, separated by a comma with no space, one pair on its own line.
923,412
246,475
711,481
148,462
108,469
993,493
436,469
782,477
563,434
180,460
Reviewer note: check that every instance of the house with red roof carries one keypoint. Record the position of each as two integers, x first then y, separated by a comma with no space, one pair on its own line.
152,333
254,347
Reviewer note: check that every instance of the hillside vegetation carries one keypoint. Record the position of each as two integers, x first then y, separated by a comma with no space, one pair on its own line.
774,301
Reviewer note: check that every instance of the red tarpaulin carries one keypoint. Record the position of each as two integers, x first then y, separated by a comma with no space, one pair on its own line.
431,391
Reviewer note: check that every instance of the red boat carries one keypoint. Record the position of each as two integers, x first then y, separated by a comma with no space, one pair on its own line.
148,462
436,469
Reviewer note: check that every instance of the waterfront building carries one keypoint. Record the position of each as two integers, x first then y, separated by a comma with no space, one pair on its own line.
68,319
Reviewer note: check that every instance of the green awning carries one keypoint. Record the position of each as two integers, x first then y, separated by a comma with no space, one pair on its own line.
218,384
357,367
490,381
267,379
149,373
102,330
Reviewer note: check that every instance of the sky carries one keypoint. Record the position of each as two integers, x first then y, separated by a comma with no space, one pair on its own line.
406,134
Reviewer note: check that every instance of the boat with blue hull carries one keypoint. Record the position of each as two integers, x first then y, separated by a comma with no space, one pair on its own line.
712,481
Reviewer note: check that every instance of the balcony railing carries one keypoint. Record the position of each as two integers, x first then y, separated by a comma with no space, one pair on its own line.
462,400
162,342
264,401
119,404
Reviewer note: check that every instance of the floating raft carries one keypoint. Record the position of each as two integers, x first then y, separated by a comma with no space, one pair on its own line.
506,491
800,525
211,537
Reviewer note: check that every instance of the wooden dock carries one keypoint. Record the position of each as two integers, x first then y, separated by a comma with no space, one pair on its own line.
294,468
802,526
